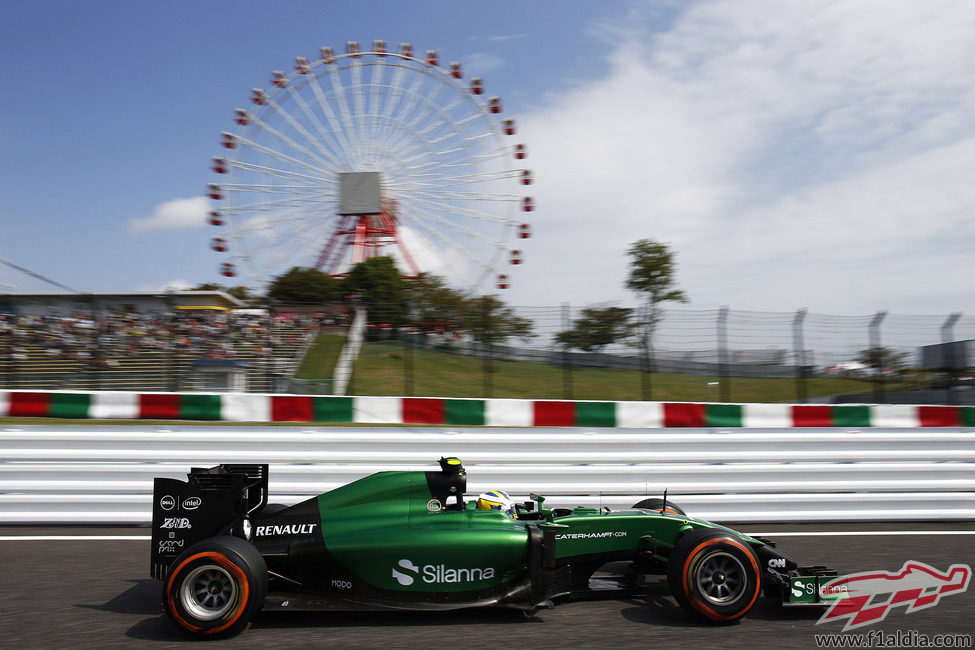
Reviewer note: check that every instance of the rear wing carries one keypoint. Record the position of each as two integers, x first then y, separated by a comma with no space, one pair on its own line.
212,501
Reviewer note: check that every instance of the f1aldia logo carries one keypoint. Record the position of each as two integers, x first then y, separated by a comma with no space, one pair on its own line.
917,586
439,573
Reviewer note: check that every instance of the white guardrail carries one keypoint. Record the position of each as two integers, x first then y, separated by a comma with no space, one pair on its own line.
104,474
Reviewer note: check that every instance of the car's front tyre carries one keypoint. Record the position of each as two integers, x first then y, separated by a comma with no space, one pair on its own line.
215,587
714,575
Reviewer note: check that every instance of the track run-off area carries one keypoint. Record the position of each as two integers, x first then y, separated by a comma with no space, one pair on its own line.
75,587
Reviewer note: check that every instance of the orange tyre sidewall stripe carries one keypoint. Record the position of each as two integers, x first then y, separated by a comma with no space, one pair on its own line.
686,578
223,561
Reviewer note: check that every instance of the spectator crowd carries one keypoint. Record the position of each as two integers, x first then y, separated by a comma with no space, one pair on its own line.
103,339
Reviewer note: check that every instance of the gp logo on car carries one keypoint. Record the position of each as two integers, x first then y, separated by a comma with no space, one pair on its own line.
439,573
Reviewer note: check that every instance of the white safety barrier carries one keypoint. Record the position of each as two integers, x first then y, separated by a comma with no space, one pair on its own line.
350,351
103,474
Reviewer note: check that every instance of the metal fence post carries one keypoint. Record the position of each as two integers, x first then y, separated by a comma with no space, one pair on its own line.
646,363
800,355
724,367
566,365
488,385
948,358
407,363
874,337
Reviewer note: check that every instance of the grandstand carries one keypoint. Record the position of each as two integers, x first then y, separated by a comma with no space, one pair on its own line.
178,341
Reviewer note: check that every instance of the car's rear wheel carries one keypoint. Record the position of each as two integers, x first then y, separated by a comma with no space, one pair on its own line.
714,575
215,587
656,503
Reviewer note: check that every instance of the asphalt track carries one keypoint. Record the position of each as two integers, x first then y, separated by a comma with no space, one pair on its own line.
75,592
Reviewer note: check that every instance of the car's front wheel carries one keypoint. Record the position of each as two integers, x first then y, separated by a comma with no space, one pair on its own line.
714,575
215,587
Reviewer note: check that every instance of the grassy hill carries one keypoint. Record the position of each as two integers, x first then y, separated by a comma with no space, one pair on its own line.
391,369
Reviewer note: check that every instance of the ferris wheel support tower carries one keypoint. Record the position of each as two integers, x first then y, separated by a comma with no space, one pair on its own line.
367,226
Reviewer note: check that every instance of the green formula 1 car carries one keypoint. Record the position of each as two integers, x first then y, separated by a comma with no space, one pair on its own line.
410,540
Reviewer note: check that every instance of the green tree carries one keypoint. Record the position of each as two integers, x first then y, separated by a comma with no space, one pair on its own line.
488,320
652,269
881,358
433,306
305,286
378,284
598,327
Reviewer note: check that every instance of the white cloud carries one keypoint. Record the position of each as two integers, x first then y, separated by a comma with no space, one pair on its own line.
502,38
173,215
171,285
792,153
480,63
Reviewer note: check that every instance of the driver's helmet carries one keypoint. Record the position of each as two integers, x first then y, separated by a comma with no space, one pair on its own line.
497,500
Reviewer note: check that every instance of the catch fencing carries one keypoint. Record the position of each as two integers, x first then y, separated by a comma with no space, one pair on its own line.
706,355
104,474
691,355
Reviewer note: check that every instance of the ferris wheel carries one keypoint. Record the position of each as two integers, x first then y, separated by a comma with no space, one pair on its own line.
372,153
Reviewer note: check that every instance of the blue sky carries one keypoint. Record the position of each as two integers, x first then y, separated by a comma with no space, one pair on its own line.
793,154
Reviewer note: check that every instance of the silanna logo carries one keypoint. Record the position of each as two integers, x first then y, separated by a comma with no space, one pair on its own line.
439,573
917,586
403,578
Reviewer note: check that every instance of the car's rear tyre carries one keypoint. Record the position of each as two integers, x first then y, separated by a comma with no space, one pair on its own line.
215,587
656,503
714,575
